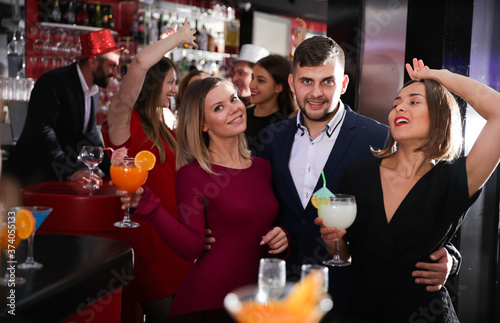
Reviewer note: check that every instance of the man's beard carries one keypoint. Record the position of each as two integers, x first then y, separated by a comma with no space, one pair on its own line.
326,115
99,78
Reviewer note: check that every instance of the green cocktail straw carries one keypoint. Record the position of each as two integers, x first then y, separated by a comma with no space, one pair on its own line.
323,192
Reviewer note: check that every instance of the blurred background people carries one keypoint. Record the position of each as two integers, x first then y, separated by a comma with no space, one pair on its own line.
242,68
62,116
271,97
189,78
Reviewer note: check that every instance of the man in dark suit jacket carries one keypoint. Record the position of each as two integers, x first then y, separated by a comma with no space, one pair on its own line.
62,116
326,135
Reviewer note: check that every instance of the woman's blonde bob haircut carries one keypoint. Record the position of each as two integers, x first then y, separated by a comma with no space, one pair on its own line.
192,142
444,142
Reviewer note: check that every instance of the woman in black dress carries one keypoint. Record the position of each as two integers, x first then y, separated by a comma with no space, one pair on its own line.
415,195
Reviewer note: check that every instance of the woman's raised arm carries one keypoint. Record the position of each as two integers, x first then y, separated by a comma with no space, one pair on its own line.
123,103
485,154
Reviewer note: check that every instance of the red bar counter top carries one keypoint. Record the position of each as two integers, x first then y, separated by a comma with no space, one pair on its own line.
76,210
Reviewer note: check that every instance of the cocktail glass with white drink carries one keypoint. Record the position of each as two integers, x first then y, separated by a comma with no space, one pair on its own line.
338,211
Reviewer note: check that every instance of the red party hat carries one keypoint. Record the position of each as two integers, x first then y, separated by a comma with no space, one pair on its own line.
98,43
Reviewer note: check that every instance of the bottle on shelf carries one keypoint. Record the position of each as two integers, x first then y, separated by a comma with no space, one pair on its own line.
56,12
96,20
105,16
141,28
211,42
83,17
134,26
69,15
162,23
15,54
221,43
203,39
153,31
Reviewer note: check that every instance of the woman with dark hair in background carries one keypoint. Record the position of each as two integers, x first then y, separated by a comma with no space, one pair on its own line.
272,98
187,79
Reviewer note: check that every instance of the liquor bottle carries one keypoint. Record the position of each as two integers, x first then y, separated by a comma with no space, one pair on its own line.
56,12
203,38
211,42
153,31
134,26
96,19
70,16
221,42
105,17
83,17
162,23
141,28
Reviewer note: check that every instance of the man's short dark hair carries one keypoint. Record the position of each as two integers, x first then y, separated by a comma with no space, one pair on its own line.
316,51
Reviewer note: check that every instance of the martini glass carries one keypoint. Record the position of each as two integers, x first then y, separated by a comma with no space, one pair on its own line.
128,175
40,213
92,157
339,211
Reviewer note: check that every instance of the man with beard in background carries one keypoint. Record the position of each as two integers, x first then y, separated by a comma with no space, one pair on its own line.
62,116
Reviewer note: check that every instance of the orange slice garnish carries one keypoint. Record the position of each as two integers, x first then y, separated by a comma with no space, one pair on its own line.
317,201
25,223
148,157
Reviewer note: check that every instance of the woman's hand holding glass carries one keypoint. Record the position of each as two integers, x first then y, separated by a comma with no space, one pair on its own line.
129,174
330,235
131,200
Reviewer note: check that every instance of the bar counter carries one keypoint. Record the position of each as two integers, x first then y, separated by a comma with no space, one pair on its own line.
76,210
80,281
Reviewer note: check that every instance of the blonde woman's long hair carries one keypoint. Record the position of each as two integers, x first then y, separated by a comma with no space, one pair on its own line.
192,142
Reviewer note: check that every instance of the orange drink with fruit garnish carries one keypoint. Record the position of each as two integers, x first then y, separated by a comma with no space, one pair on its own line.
129,174
128,177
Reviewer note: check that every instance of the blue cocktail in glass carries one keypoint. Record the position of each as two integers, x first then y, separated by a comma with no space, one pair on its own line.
40,213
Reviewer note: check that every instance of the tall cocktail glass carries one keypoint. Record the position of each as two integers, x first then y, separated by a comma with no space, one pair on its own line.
339,211
128,175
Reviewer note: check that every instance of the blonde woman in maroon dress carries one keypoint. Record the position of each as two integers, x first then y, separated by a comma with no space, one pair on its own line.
219,186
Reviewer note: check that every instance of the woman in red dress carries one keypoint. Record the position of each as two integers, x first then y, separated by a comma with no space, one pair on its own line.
135,121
